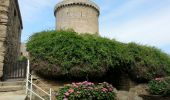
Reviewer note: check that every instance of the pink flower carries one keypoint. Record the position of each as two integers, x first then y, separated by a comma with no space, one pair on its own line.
71,90
75,85
90,83
65,99
79,83
110,89
158,79
104,89
66,94
85,82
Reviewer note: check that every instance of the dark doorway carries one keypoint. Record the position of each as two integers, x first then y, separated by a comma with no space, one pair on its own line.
15,70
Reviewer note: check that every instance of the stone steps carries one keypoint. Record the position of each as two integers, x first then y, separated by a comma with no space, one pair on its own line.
15,95
12,83
12,90
9,86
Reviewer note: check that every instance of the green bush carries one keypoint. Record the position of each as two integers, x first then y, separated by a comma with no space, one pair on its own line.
86,91
65,53
147,62
22,58
68,54
160,86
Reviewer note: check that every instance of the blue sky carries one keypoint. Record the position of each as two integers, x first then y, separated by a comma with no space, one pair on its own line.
142,21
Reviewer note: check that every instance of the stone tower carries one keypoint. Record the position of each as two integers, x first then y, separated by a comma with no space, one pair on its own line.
79,15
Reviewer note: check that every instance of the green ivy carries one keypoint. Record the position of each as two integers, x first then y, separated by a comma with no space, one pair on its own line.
160,86
69,54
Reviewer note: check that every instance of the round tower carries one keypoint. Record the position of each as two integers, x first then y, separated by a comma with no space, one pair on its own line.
79,15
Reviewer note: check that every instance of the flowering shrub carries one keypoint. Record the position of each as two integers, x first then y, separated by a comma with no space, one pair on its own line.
160,86
86,91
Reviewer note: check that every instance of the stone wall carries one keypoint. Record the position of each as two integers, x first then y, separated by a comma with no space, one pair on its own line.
80,18
4,4
10,33
23,50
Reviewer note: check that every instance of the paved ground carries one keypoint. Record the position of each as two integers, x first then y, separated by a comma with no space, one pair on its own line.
13,97
19,95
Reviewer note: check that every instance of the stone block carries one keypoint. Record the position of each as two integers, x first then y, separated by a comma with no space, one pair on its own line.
1,44
1,64
3,14
1,69
1,58
3,33
3,27
3,20
4,2
2,53
2,50
2,39
1,73
3,8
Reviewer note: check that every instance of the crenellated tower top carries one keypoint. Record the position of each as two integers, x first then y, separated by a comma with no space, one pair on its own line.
79,15
76,2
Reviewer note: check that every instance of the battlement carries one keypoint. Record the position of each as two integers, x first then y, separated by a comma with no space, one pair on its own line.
79,15
76,2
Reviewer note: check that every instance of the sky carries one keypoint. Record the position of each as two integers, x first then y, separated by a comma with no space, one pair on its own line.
146,22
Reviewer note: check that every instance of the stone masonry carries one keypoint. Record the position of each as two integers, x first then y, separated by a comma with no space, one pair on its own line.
79,15
10,33
23,50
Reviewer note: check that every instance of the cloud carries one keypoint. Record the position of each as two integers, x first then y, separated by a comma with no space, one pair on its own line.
32,9
148,28
105,6
122,9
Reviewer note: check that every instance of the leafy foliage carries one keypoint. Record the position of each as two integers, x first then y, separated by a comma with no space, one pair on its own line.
68,54
86,91
147,62
160,86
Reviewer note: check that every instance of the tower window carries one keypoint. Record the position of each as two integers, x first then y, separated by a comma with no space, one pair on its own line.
15,13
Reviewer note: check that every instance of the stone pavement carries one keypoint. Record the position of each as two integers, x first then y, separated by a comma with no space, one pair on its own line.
17,95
